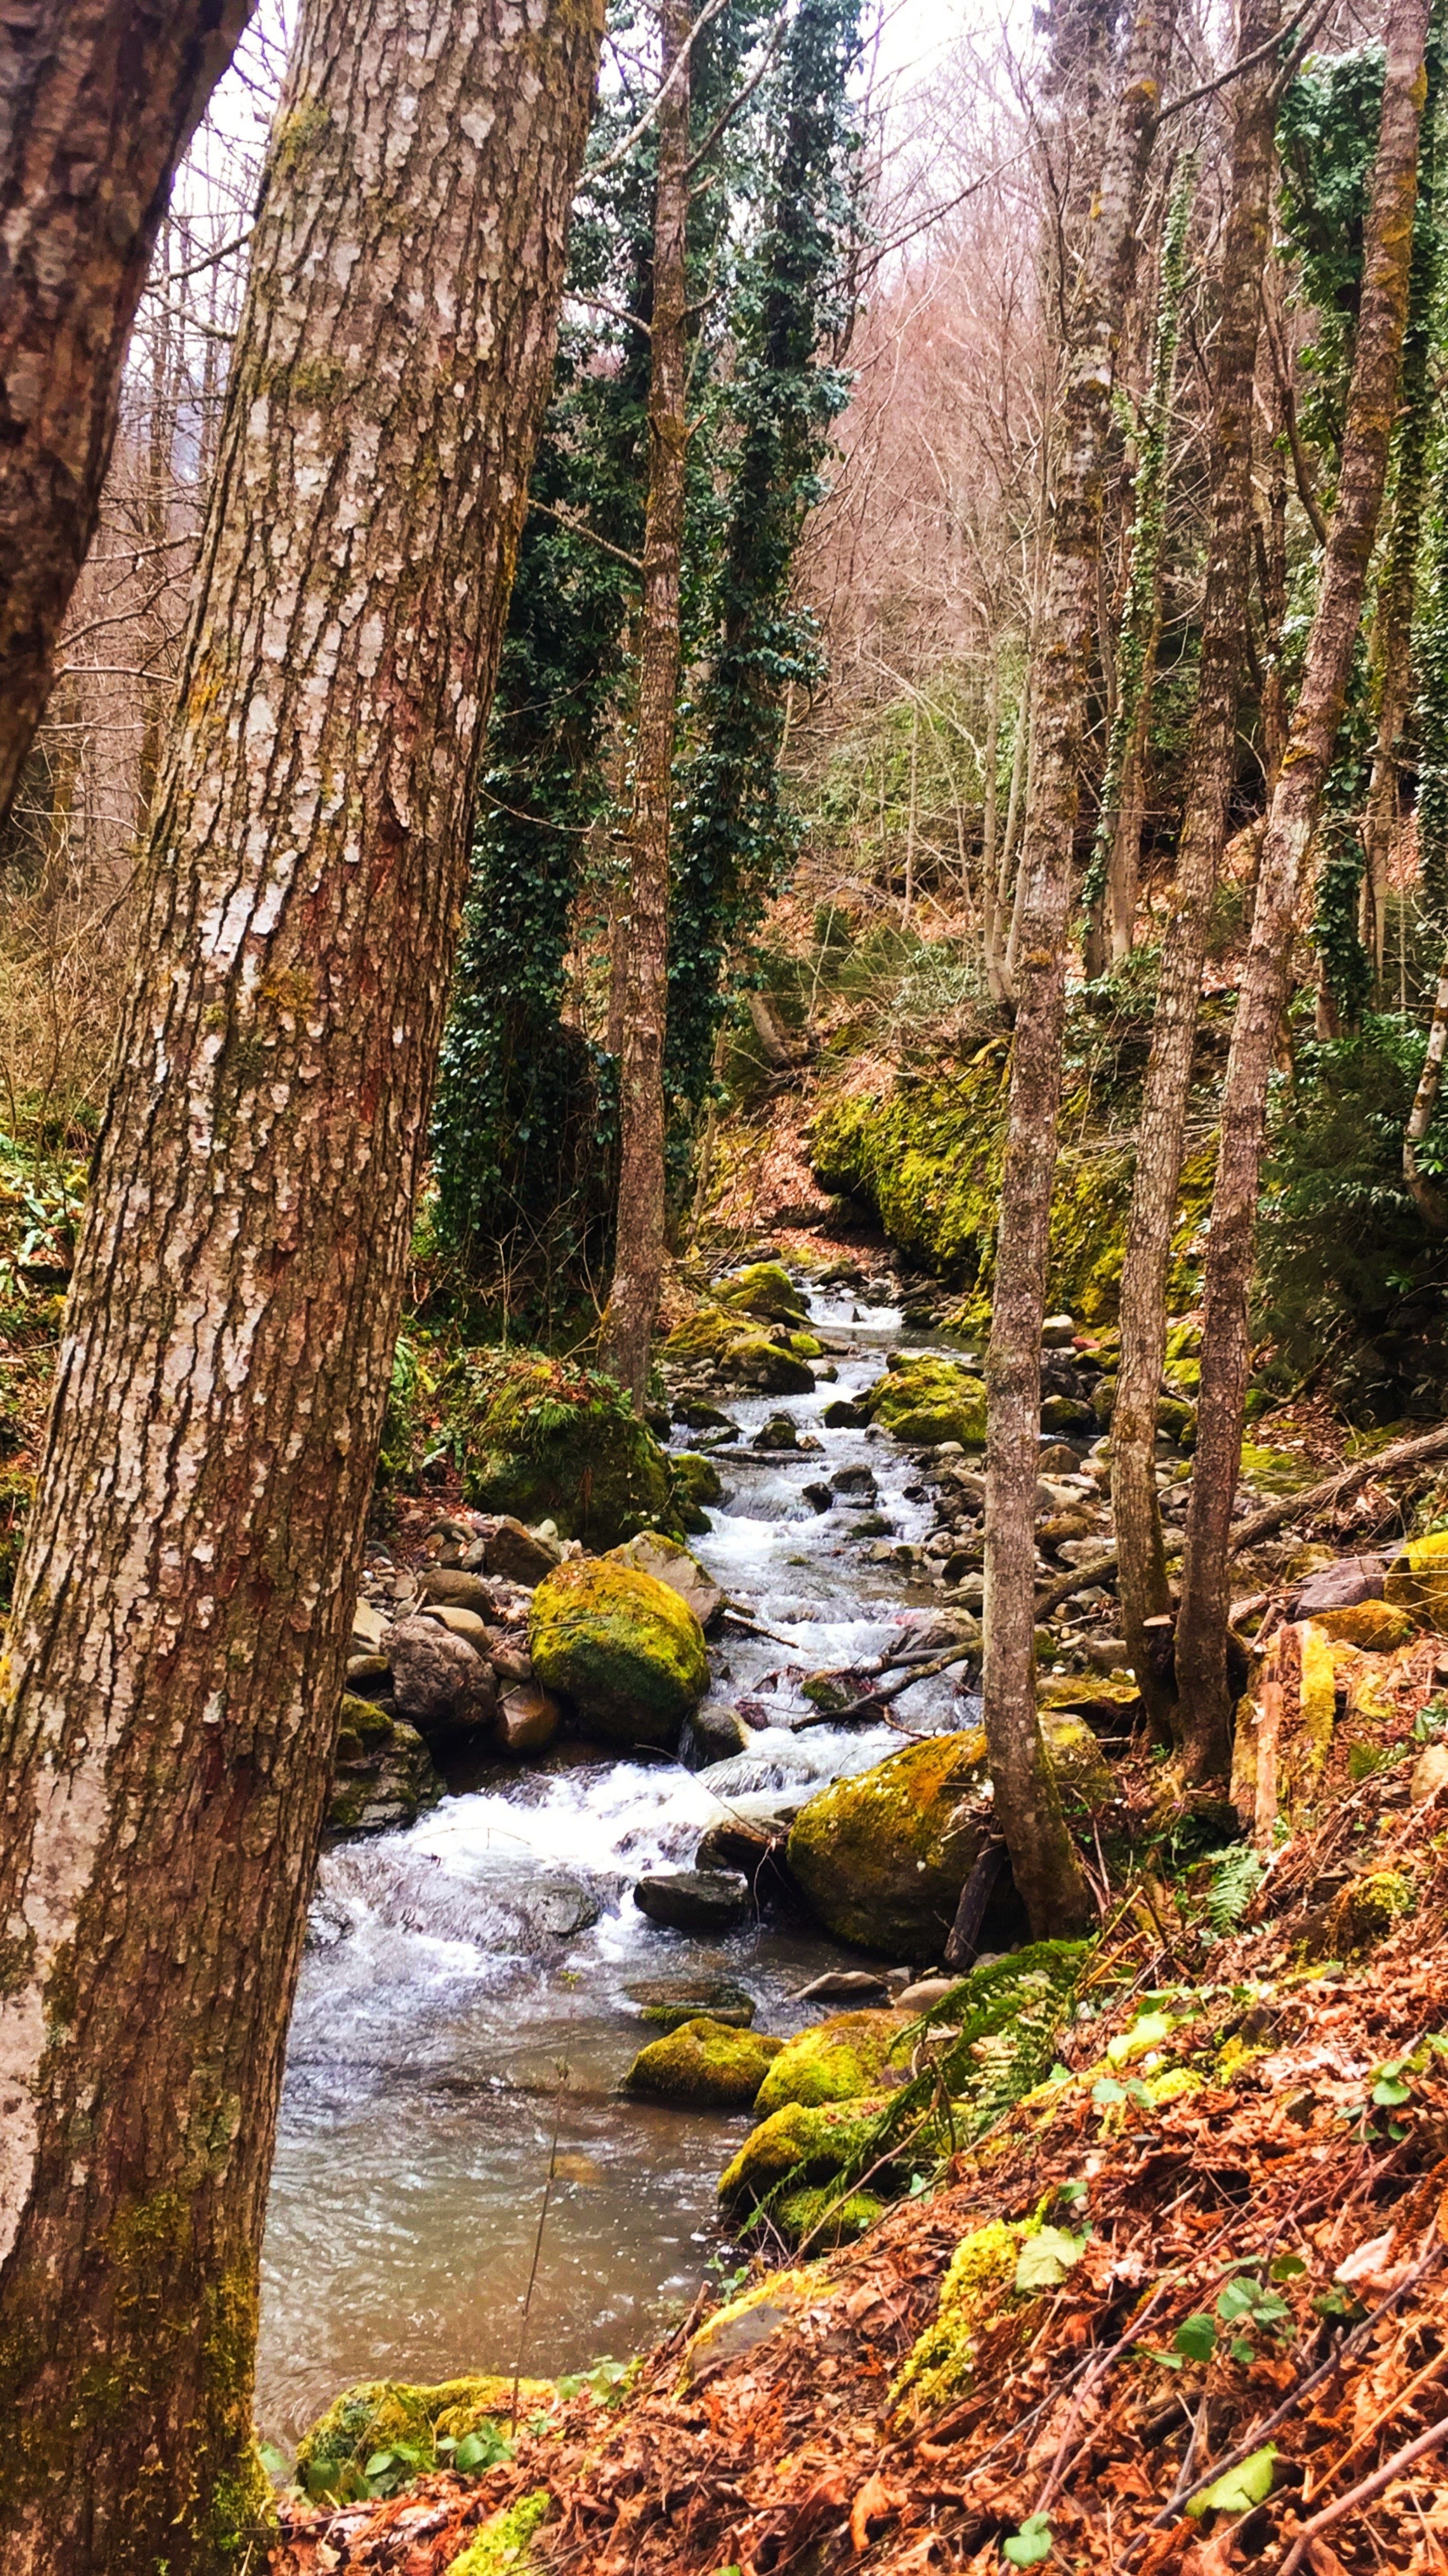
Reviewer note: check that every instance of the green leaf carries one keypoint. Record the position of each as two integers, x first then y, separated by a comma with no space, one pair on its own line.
1196,2337
275,2462
1168,2360
1241,2349
482,2448
379,2461
1388,2093
1031,2544
1240,2488
1288,2267
1107,2094
1237,2300
1045,2259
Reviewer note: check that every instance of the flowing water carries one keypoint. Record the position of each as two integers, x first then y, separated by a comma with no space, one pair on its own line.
464,1997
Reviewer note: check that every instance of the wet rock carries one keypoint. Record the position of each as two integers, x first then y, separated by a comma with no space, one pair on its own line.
859,1480
926,1399
841,1415
518,1553
667,2001
764,1290
1342,1586
529,1719
672,1564
697,1415
779,1431
697,1483
382,1771
693,1900
438,1680
846,1985
739,1351
454,1590
495,1904
817,1495
848,2055
808,2143
708,2065
714,1733
623,1649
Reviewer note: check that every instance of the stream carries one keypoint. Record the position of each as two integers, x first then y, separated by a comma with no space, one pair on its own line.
465,1991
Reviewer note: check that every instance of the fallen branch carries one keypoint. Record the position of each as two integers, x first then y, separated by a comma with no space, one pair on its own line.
1364,2493
1273,1516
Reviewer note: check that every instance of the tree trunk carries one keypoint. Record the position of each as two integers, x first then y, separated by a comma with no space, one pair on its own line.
1211,764
1429,1198
183,1605
98,101
1205,1723
639,1254
1043,1856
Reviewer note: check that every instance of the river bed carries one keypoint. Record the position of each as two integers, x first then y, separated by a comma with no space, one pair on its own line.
464,1997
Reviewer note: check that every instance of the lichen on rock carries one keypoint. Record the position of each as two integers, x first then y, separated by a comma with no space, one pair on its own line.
765,1290
624,1650
797,2142
740,1350
1417,1579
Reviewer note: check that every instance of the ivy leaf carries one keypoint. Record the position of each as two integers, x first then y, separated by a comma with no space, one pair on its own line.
1240,2488
1045,2260
1031,2544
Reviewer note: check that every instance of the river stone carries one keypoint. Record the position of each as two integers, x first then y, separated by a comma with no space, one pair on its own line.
1338,1587
846,1985
1066,1413
668,2001
710,2065
737,1349
455,1590
518,1553
766,1291
622,1647
382,1771
438,1680
693,1900
369,1673
855,1480
529,1719
1058,1332
841,1415
924,1399
714,1733
1057,1458
780,1431
669,1563
461,1623
368,1625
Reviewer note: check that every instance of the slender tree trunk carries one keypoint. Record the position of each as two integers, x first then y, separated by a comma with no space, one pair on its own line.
1429,1198
1211,765
999,892
98,101
182,1608
1123,875
1205,1723
1272,577
639,1255
1043,1856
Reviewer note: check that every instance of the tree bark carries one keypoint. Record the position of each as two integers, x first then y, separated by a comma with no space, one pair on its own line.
1047,1870
1205,1721
1428,1197
98,101
183,1605
1211,765
639,1255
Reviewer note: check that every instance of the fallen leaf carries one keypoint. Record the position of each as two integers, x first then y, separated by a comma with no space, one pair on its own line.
873,2504
1047,2257
1237,2490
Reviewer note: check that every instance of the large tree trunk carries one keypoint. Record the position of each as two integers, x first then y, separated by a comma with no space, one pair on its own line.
639,1256
98,101
1211,764
182,1609
1043,1856
1201,1656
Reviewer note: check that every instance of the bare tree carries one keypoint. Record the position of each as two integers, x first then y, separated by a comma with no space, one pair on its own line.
98,100
1201,1648
182,1607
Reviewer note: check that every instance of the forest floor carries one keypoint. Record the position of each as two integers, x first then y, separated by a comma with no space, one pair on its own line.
1201,2318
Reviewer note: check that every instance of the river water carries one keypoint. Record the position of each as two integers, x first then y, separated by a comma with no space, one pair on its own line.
464,1995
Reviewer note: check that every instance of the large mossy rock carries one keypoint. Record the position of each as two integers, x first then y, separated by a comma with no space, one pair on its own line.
765,1290
735,1347
705,2064
545,1440
621,1647
928,1399
851,2054
883,1857
807,2145
1417,1580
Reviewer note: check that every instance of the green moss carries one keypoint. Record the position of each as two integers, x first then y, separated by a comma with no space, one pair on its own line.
739,1350
842,2058
393,2415
1274,1471
545,1440
761,2311
1367,1909
622,1647
927,1155
1378,1627
797,2143
928,1399
706,2062
695,1482
978,2280
1418,1580
502,2547
819,2217
766,1290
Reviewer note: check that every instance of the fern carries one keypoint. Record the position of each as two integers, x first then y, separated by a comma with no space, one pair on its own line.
1235,1880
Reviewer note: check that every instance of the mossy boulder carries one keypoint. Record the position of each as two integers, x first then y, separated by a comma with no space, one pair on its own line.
766,1291
705,2064
382,1771
543,1439
850,2054
809,2144
621,1647
740,1350
1109,1700
927,1399
1376,1627
883,1857
1417,1580
696,1483
817,2218
394,2416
